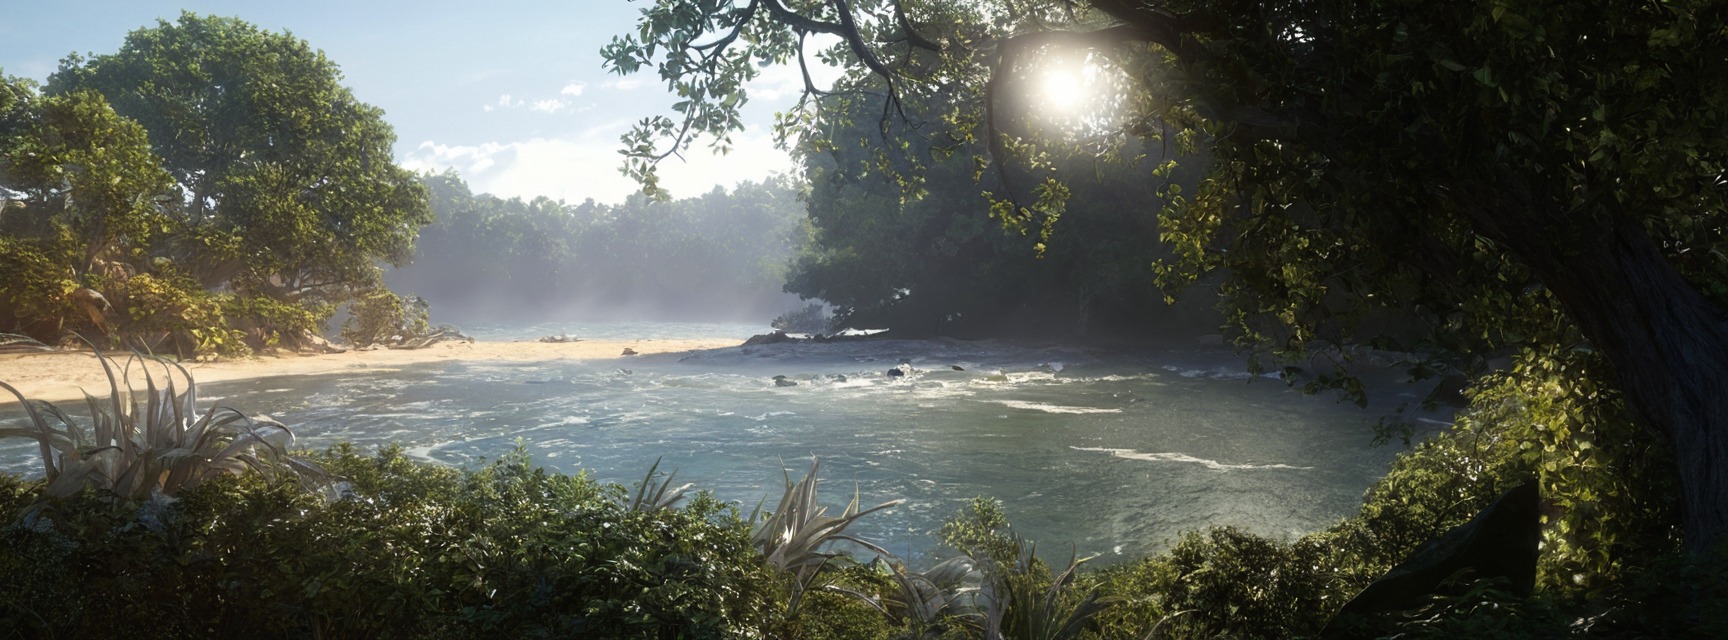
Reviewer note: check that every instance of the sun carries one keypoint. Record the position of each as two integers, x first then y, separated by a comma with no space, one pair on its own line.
1064,90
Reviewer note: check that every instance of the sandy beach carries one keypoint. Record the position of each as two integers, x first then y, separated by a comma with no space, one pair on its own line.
58,376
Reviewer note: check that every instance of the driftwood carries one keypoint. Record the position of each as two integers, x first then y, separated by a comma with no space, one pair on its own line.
438,335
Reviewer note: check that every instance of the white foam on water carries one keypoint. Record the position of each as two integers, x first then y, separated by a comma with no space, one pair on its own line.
1130,454
1053,408
423,452
566,421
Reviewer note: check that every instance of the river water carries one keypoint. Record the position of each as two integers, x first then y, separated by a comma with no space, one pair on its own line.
1112,453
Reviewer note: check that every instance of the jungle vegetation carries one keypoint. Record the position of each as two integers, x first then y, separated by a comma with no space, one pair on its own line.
1519,192
210,188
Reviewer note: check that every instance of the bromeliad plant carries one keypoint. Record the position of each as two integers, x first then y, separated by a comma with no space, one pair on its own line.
656,493
794,538
1019,604
140,444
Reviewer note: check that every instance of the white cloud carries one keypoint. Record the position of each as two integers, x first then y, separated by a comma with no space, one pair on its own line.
542,105
622,84
549,105
585,165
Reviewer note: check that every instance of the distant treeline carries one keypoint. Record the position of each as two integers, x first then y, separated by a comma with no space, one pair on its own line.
720,256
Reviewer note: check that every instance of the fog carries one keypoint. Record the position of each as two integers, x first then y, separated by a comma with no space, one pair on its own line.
719,257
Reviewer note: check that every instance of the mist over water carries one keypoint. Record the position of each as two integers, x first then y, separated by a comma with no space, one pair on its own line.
1114,453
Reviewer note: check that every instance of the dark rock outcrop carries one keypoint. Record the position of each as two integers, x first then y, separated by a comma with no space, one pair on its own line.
776,337
1500,542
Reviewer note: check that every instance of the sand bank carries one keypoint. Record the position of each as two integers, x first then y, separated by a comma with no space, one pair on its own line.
57,376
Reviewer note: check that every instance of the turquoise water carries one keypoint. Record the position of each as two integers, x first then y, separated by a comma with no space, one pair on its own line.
1114,453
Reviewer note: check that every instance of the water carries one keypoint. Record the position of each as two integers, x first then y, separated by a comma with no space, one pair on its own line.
1114,453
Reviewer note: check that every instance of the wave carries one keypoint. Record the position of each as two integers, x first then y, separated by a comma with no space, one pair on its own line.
1214,465
1052,408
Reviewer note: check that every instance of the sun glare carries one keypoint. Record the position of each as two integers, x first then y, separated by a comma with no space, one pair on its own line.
1064,91
1071,93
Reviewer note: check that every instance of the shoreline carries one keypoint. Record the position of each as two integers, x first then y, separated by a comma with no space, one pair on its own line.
58,376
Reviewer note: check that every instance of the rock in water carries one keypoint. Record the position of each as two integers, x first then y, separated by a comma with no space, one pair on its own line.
770,338
896,372
781,381
1500,542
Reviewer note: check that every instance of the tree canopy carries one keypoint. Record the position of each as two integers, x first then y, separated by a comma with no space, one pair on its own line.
1531,179
285,179
209,188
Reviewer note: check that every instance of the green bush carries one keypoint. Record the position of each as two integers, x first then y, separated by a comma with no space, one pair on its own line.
408,550
382,317
169,312
269,323
34,282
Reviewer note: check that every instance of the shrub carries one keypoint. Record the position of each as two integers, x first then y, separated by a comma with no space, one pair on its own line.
410,550
813,318
268,323
170,312
34,282
796,539
382,317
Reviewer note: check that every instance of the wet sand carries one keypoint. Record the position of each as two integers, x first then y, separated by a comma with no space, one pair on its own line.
58,376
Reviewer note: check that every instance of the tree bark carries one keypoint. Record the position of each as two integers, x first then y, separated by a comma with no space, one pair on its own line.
1667,342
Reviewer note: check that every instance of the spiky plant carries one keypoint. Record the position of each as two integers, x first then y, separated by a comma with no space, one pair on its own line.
654,494
138,444
795,537
920,601
1016,606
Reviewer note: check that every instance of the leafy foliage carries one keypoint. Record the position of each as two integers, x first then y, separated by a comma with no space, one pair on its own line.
206,155
160,448
1434,178
284,173
409,550
382,317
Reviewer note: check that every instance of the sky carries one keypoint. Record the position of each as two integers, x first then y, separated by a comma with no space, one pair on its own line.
509,93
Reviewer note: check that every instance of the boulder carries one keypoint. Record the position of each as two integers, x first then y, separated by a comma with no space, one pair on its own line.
1500,542
776,337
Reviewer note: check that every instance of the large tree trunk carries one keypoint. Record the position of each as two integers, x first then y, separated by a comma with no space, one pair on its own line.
1668,343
